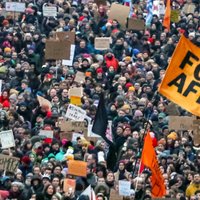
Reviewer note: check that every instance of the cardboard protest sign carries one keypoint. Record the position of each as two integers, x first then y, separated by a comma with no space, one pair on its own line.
124,188
75,113
7,139
119,13
69,185
49,11
73,126
196,132
70,61
188,8
80,77
8,163
70,36
102,43
136,24
42,101
77,168
15,6
181,83
46,133
175,16
76,91
114,195
57,50
180,123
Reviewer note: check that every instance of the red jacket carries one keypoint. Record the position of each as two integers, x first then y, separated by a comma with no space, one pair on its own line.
111,62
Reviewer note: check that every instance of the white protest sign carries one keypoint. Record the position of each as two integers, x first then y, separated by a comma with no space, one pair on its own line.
7,139
0,87
15,7
70,61
49,11
75,136
124,188
46,133
75,113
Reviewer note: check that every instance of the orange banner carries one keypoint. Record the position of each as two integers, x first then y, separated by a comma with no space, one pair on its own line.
149,159
181,83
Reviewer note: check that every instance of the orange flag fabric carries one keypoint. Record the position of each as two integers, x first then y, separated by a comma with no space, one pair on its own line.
149,159
181,83
166,21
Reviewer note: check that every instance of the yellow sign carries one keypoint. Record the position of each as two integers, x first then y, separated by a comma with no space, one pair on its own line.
75,100
181,83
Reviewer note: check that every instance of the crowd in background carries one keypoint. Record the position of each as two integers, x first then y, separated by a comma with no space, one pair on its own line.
129,74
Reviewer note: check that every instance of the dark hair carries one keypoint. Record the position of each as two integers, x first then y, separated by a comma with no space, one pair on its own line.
46,188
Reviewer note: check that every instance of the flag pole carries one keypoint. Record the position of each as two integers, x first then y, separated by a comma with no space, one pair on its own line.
141,143
138,177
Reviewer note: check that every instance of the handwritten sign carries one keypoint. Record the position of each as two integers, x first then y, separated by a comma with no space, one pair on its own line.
7,139
73,126
49,11
69,185
77,168
124,188
75,113
8,163
15,7
46,133
102,43
181,123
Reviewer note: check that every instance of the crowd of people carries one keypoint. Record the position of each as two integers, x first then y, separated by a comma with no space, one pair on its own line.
129,74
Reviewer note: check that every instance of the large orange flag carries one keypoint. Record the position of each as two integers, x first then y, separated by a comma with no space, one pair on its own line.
149,159
166,20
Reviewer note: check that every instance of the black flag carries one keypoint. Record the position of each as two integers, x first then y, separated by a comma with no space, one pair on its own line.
101,119
100,127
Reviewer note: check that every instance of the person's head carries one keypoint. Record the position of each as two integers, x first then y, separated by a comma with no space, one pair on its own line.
135,135
36,170
46,180
82,44
110,177
50,190
52,92
101,180
196,178
55,181
197,193
121,165
57,170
